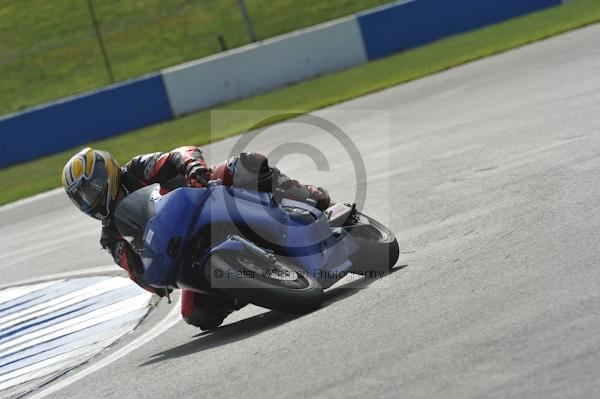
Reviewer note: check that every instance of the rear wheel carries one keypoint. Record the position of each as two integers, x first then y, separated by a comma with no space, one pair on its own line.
379,249
273,283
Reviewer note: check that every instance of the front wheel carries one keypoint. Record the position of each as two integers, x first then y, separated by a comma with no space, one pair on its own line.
378,246
273,283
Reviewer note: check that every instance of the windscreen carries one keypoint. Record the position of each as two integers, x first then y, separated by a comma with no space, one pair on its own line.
133,213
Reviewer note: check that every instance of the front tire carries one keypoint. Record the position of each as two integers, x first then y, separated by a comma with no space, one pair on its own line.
378,246
280,285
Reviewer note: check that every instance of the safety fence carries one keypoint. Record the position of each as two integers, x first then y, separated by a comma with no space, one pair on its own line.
246,71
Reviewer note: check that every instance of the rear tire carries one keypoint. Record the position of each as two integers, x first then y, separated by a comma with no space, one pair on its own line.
282,286
379,249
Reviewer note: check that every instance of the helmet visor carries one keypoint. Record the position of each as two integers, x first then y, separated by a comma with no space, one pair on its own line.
90,194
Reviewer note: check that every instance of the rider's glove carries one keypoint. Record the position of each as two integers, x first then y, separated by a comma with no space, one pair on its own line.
198,175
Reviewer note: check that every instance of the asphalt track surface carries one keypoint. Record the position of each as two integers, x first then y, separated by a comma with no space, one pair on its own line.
488,173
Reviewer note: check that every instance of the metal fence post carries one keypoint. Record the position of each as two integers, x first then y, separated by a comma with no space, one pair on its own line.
100,41
247,20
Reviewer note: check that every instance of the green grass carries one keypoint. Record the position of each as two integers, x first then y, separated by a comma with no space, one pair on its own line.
48,48
36,176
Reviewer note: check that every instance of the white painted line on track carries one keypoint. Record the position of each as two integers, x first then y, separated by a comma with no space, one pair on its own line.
55,365
47,329
92,271
62,301
20,291
169,321
84,351
71,325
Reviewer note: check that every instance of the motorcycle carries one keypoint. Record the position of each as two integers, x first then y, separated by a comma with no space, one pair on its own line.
256,247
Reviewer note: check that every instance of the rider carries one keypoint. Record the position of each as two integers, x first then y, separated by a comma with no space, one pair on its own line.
95,183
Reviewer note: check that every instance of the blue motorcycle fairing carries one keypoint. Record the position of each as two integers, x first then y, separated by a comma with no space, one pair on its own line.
303,232
175,214
320,251
309,239
326,276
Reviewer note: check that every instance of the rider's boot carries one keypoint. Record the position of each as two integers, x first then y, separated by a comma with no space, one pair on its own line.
206,311
292,189
252,170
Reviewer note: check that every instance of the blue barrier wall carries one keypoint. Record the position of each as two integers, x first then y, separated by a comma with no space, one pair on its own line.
400,26
120,108
67,123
